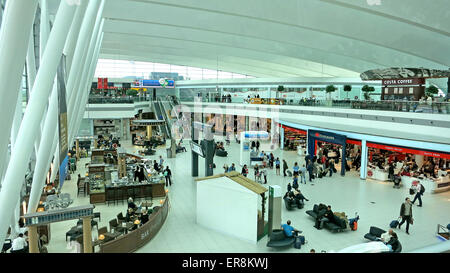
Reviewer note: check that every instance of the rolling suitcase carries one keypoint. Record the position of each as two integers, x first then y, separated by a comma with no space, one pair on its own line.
412,191
394,224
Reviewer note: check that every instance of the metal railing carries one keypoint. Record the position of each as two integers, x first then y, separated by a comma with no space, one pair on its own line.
384,105
126,99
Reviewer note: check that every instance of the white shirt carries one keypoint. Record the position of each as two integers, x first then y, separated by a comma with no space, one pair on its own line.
385,237
418,187
19,243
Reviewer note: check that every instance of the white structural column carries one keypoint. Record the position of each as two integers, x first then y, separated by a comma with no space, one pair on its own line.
87,79
363,169
75,97
48,133
55,167
14,37
45,152
44,28
69,48
79,57
10,190
31,62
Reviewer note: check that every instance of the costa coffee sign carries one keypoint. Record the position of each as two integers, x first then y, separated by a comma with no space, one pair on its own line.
415,81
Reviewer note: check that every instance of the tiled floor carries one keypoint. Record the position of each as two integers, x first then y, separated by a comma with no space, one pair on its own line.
377,203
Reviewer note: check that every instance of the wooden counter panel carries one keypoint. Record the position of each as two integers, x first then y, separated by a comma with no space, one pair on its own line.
136,239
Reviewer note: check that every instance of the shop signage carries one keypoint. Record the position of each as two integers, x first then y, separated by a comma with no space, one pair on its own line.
353,141
396,82
155,83
294,130
408,150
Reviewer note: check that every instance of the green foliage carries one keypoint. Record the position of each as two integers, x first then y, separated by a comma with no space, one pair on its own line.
431,90
347,88
330,88
132,92
280,88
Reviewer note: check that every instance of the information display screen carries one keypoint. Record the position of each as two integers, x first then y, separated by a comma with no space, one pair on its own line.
197,149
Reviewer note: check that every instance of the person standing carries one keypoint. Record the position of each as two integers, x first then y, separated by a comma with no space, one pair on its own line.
232,168
167,175
331,166
271,160
19,244
285,167
310,169
419,192
295,169
161,162
277,166
295,182
406,214
303,174
244,170
264,173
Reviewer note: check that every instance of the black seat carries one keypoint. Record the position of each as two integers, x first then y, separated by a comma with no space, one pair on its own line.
110,196
279,239
118,195
374,233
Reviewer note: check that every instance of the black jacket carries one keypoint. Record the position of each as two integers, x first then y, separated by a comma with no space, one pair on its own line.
394,243
402,210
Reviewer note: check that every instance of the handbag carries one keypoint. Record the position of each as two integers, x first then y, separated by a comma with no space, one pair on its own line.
411,221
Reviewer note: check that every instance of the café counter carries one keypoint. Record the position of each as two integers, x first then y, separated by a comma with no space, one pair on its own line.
135,239
431,185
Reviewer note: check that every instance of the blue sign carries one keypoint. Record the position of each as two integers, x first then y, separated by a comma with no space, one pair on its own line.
257,135
156,83
329,137
63,171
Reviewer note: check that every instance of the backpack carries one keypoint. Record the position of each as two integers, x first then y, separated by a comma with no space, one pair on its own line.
422,189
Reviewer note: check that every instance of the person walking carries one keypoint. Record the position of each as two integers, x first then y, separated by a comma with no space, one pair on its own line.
285,167
167,175
277,166
303,174
331,166
271,160
419,192
406,214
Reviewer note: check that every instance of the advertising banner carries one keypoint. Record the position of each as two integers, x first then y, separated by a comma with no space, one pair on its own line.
62,120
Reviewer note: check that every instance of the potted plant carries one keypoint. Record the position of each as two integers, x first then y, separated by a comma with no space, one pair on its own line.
367,89
347,88
329,89
431,90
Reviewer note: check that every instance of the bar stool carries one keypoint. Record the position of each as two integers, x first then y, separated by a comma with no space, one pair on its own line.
130,192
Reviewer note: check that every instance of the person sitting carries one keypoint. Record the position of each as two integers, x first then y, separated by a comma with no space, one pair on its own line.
130,215
386,237
327,216
180,148
299,196
289,230
156,166
289,187
393,243
131,204
232,168
19,245
144,217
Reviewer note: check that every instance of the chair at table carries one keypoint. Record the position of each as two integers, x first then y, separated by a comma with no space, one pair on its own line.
97,215
114,226
93,223
120,218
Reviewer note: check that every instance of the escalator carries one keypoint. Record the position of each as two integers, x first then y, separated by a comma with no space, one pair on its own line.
159,116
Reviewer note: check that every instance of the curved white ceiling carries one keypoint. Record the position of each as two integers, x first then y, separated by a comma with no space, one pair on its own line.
289,38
